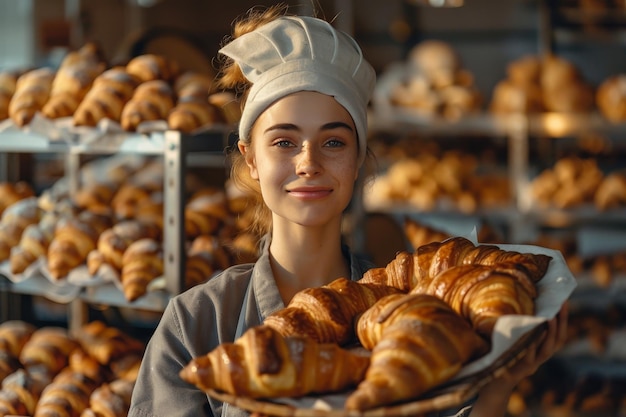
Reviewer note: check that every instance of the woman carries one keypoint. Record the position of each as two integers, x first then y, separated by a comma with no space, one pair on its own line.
302,143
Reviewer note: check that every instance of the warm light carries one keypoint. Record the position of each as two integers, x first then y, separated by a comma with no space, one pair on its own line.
556,124
439,3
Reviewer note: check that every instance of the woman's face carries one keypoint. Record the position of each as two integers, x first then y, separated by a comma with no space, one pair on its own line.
304,155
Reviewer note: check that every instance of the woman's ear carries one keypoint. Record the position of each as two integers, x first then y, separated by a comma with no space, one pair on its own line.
249,158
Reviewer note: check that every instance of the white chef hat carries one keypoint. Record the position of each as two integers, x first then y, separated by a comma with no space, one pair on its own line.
292,54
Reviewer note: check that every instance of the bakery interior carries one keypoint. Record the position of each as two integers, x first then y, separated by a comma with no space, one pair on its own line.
503,121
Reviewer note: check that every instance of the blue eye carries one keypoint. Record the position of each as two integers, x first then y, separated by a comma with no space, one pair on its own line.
283,143
334,143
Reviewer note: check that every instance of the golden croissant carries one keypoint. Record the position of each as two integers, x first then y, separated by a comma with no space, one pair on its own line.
264,364
417,342
482,293
327,313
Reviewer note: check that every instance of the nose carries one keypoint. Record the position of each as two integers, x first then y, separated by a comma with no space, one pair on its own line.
308,161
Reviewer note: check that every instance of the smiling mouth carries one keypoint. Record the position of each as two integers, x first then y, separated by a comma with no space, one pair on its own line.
310,193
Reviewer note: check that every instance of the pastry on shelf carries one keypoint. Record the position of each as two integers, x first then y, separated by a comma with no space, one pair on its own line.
74,238
148,67
11,192
105,343
611,193
142,262
436,84
15,219
611,98
50,348
8,82
110,91
542,83
151,101
569,183
32,91
73,80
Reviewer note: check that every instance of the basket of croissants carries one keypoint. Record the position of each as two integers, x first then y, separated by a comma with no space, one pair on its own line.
423,333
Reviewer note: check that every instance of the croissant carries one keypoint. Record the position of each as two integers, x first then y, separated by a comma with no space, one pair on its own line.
327,313
49,347
152,100
110,91
72,81
32,91
194,84
33,243
11,193
419,234
74,238
106,343
417,342
205,256
190,114
148,67
413,271
206,210
9,363
263,363
111,399
95,196
15,219
113,242
66,396
21,391
8,82
483,293
14,334
142,262
438,256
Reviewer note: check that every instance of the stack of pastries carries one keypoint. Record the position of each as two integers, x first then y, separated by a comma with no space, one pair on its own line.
50,371
548,83
437,85
85,89
417,321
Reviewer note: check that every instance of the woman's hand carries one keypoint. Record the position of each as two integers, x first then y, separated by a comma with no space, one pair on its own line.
493,398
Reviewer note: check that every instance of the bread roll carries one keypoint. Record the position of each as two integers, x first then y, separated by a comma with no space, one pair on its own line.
152,100
32,91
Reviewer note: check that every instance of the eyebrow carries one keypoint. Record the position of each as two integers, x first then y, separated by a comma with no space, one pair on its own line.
326,126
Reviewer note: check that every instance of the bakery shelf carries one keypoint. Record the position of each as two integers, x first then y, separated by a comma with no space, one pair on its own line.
176,149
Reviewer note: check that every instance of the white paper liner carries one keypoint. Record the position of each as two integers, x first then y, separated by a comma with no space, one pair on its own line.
553,291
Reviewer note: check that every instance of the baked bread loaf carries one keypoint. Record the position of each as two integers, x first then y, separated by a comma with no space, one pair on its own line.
32,91
142,262
611,193
417,342
190,114
263,364
326,314
152,100
205,256
205,211
110,91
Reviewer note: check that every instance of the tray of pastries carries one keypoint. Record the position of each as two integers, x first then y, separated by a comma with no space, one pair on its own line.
422,334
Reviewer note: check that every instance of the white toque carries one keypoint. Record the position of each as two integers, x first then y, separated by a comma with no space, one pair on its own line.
292,54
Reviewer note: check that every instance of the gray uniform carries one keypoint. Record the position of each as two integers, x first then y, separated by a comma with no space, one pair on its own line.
197,321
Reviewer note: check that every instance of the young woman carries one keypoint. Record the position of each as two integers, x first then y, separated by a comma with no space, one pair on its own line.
302,143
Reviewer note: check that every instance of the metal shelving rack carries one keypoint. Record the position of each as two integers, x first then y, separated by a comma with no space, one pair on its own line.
176,149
